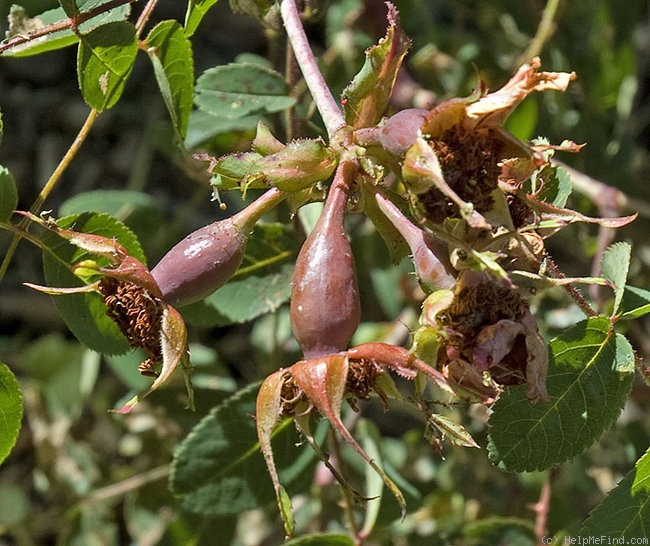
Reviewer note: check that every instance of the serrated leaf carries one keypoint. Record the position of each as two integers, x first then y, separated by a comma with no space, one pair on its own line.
219,468
57,40
85,314
614,266
104,61
625,512
320,540
635,302
366,98
11,410
8,194
170,52
242,89
591,370
196,10
554,185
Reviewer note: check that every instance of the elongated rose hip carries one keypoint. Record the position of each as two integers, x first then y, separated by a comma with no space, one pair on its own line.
208,257
430,255
325,305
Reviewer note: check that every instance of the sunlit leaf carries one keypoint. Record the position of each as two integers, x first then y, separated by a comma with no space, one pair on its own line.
591,370
625,512
104,62
62,38
614,266
8,194
196,10
219,469
11,410
170,52
238,90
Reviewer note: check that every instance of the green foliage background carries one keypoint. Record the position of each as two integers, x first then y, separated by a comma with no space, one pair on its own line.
80,475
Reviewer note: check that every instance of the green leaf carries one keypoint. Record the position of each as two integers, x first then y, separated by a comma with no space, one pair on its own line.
590,375
219,468
366,97
523,120
11,411
635,302
196,10
553,185
261,285
614,266
21,24
320,540
170,52
8,194
104,62
625,512
85,314
203,126
238,90
70,7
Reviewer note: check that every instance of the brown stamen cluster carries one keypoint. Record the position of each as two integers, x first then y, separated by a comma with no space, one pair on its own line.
290,396
480,305
361,380
138,315
470,166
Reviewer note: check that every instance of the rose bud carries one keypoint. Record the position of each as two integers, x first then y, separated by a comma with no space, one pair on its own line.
325,307
207,258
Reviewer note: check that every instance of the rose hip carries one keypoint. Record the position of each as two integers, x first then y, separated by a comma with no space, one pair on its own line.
325,307
208,257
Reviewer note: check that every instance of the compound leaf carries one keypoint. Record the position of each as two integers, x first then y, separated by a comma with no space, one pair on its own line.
590,376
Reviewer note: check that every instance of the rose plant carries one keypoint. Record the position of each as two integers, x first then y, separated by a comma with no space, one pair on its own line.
450,187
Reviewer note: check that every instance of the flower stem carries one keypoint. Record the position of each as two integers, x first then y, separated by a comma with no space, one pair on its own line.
329,110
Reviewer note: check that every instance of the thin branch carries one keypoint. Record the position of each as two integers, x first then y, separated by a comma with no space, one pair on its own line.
49,186
64,24
144,16
320,91
544,32
122,488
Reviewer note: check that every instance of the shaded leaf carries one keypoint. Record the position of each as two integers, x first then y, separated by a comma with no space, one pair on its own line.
625,512
104,62
243,89
366,98
85,314
635,302
614,266
8,194
219,468
196,10
203,126
23,25
591,370
11,410
170,52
